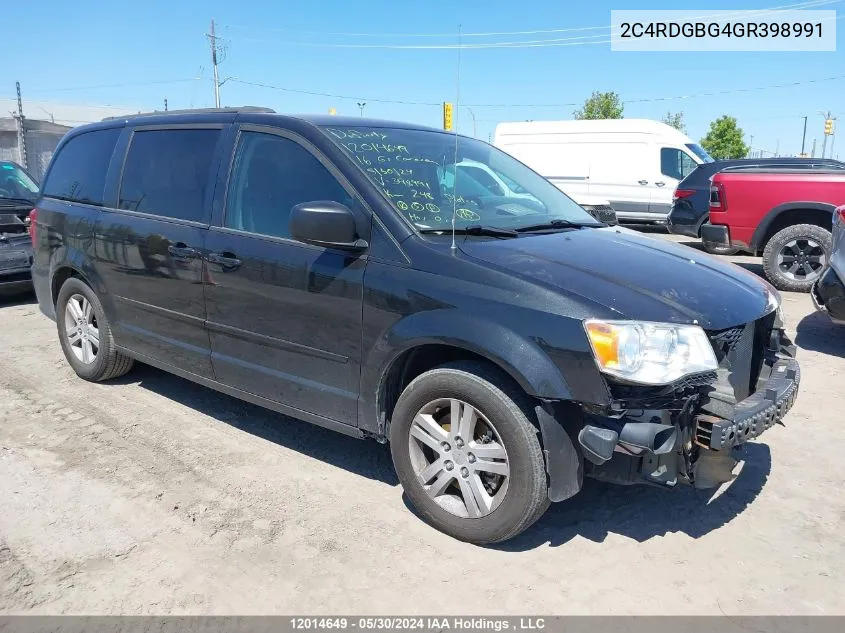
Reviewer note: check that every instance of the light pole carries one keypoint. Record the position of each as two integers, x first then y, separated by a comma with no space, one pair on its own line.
361,108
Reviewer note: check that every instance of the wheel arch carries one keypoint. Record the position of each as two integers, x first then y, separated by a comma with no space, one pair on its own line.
71,262
60,276
425,340
807,212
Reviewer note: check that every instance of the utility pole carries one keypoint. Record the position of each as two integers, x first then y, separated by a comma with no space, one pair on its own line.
824,137
804,137
813,153
21,128
361,108
212,38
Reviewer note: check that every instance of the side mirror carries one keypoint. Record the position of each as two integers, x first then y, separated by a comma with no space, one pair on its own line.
327,224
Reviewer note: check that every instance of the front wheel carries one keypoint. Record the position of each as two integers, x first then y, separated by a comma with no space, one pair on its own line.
467,454
795,257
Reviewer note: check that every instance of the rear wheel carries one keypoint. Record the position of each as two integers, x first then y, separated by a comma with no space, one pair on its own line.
467,454
85,334
795,257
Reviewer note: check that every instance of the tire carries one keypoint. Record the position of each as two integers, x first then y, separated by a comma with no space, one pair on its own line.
107,362
719,250
815,245
522,495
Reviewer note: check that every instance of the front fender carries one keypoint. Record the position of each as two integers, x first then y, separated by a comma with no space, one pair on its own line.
520,357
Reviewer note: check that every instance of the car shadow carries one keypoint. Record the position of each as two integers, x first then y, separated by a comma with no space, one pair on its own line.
644,512
637,512
17,299
754,267
368,459
818,333
647,228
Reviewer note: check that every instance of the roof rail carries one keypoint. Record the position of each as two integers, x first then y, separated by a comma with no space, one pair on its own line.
194,111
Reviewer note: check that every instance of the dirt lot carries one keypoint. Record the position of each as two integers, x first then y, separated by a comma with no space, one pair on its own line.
153,495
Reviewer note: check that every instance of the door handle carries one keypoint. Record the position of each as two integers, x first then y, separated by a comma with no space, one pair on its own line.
182,250
643,182
660,184
227,261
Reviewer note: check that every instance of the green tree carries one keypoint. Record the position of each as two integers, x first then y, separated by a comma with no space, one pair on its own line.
601,105
724,140
676,120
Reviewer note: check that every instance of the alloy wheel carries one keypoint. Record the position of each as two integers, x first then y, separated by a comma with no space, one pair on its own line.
458,458
801,259
81,329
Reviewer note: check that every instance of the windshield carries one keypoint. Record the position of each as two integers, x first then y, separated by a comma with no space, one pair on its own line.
416,169
16,183
699,151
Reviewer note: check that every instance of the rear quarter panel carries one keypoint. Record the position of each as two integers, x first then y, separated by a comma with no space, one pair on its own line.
64,240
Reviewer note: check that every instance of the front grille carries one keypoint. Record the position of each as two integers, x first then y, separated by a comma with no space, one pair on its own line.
724,341
602,213
670,396
740,352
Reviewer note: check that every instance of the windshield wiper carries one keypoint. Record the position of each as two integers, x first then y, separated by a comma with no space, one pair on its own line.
475,229
552,225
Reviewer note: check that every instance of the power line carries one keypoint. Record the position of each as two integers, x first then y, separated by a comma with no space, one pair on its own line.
539,105
333,96
749,12
544,43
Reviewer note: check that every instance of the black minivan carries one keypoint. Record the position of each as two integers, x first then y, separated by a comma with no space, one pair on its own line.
339,270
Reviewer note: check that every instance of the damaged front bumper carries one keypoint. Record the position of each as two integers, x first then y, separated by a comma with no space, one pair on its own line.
687,432
755,414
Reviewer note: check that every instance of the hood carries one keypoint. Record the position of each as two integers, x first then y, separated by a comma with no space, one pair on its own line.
634,276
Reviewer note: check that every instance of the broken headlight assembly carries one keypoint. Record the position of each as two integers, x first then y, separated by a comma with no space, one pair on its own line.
649,353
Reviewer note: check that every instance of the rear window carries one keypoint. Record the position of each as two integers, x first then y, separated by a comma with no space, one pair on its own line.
78,172
166,173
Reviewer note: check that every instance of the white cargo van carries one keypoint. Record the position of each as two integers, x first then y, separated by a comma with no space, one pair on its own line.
636,164
486,179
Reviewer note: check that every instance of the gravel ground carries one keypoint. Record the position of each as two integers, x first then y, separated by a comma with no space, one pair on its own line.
151,495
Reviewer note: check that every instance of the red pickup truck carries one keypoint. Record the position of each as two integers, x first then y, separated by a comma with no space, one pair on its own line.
784,214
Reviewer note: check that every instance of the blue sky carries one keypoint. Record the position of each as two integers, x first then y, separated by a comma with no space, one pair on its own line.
85,44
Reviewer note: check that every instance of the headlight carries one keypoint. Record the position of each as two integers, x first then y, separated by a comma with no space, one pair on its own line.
649,353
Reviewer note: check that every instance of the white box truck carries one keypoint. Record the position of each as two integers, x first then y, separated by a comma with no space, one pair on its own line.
636,164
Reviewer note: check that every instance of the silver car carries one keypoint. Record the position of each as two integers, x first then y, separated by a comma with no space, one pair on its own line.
829,291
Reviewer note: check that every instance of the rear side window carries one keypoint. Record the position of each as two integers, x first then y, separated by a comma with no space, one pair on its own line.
79,169
166,173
